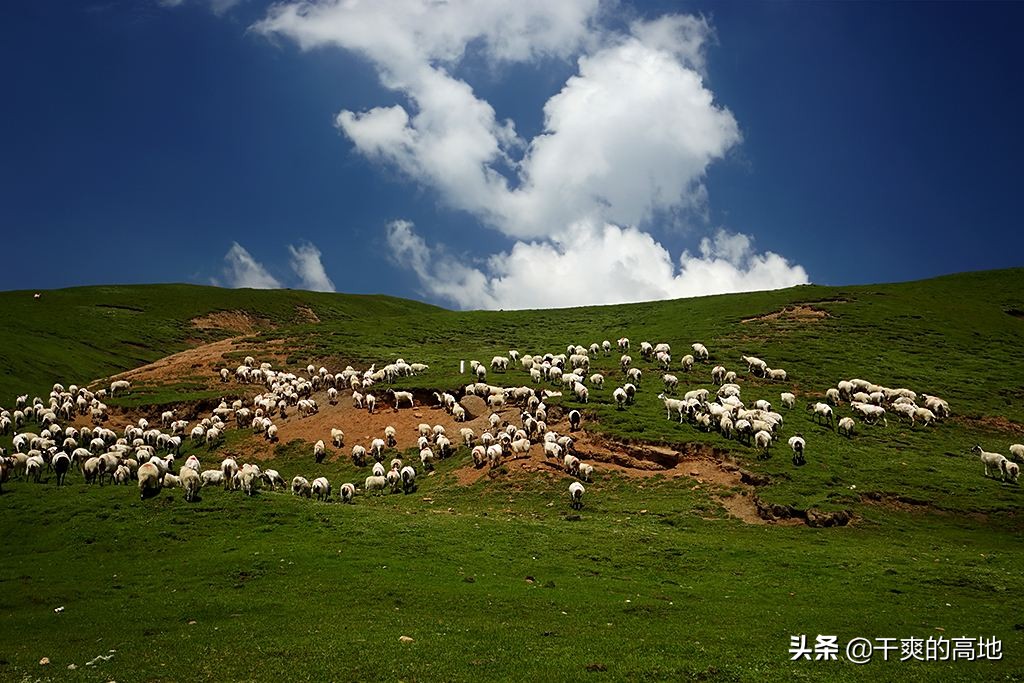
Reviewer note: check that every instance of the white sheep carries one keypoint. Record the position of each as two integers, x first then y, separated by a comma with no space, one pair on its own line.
673,404
337,437
427,459
374,483
273,479
408,475
586,471
763,440
359,455
778,375
846,426
597,380
321,488
821,411
718,374
191,482
347,492
494,453
149,480
582,393
787,399
301,487
990,460
212,477
400,397
798,445
576,492
1017,452
620,397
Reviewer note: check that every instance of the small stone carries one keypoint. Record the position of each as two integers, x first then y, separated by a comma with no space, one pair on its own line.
72,667
192,622
694,473
405,639
44,661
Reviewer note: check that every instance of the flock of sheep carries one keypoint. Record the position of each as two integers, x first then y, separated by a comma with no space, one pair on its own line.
146,453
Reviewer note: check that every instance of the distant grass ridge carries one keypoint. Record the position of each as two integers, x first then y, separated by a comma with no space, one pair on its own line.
84,333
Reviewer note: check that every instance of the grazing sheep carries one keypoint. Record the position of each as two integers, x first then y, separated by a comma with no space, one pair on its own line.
273,479
753,362
990,460
91,469
787,399
620,397
576,492
61,463
494,453
1011,471
597,380
458,413
1017,452
249,479
359,455
230,468
575,420
374,483
778,375
479,454
572,465
400,397
191,482
427,459
212,477
347,492
301,487
763,441
586,472
377,449
408,475
149,480
718,374
321,488
337,438
846,426
821,411
700,351
673,404
378,469
798,444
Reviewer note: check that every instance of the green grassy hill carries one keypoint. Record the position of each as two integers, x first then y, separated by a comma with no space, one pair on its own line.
496,581
85,333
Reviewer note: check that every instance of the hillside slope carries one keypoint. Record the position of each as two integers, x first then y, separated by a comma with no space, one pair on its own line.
83,333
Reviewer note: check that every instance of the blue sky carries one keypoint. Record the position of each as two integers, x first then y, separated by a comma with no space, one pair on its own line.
508,155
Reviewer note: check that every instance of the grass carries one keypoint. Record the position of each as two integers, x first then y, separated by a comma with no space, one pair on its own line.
497,581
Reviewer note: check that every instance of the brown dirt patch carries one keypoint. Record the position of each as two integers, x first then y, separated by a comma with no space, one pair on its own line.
996,423
236,322
202,363
796,312
306,314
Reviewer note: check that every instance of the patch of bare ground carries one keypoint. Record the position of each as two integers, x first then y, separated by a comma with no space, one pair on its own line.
795,312
201,364
728,484
996,423
236,322
306,314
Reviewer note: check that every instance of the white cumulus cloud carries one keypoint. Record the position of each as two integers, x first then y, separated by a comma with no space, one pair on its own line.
306,263
626,141
593,265
242,270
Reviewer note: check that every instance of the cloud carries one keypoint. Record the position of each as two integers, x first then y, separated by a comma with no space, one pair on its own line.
593,265
218,7
242,270
306,263
626,142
